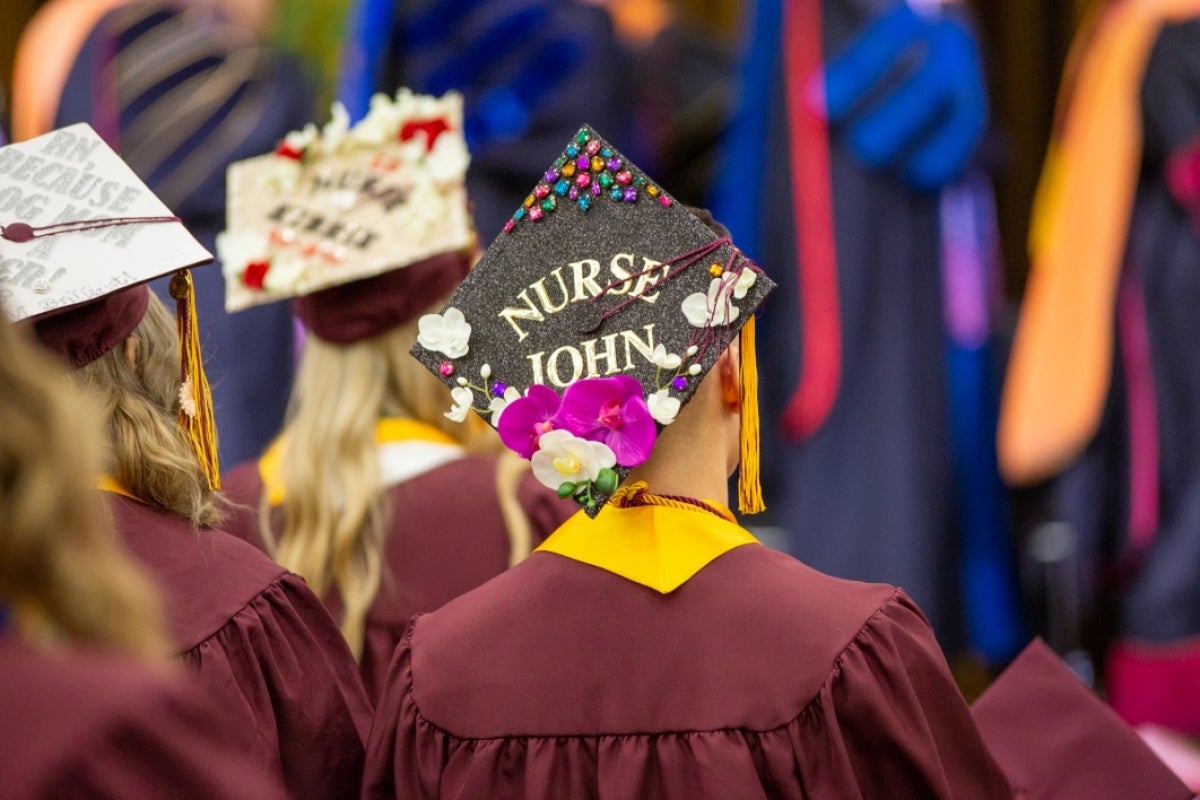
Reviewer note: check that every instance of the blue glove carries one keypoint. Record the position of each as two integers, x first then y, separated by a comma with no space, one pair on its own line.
909,95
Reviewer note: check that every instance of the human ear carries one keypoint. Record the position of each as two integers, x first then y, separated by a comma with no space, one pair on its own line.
132,350
731,385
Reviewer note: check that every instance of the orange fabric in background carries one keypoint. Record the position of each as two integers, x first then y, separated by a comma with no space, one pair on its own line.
1059,370
45,53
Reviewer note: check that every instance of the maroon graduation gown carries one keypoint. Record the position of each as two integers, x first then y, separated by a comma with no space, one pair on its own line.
261,646
757,678
78,724
447,537
1055,739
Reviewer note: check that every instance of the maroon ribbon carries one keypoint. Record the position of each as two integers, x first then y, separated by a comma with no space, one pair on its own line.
24,232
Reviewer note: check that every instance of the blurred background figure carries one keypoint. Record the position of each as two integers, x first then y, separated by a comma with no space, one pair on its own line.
529,71
90,707
1102,396
180,90
856,128
676,120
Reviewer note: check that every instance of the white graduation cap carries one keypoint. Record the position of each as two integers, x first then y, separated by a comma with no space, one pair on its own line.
80,235
77,224
341,204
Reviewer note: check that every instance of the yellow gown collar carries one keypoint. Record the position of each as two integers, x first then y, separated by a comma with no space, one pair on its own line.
659,547
107,483
387,430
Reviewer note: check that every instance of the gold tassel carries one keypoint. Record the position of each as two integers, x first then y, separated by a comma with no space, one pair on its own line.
750,499
195,397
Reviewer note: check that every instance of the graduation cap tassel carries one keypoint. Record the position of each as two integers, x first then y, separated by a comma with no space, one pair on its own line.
195,397
750,499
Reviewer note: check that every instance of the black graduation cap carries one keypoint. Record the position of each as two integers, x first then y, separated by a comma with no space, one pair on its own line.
593,316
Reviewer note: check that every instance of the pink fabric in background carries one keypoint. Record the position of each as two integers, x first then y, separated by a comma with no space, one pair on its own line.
1157,683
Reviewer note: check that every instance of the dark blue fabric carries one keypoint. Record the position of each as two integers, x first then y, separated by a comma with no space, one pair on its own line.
249,356
991,605
744,164
1163,600
874,494
1156,591
363,54
530,72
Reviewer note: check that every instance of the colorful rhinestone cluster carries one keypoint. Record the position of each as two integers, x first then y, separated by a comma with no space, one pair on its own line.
586,171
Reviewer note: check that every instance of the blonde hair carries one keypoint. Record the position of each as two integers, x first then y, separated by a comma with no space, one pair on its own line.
334,518
149,454
61,568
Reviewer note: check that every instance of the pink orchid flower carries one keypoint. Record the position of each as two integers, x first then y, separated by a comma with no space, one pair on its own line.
526,418
612,411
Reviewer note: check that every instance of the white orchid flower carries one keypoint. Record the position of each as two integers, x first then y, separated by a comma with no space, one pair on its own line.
563,457
663,407
715,308
447,333
745,282
664,360
462,397
498,404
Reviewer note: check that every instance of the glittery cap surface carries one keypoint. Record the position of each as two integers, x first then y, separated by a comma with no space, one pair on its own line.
598,269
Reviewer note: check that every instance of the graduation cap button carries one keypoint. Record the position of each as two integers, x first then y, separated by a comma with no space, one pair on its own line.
17,232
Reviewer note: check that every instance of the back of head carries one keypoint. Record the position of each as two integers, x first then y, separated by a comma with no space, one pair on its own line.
138,388
60,570
592,320
334,516
91,306
360,257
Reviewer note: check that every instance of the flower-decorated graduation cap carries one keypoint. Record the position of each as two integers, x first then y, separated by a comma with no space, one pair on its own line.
366,225
591,319
80,235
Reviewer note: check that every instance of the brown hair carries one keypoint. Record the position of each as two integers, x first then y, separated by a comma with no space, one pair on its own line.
61,569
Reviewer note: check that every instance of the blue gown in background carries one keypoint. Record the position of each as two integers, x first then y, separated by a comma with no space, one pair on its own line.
899,482
530,72
189,98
